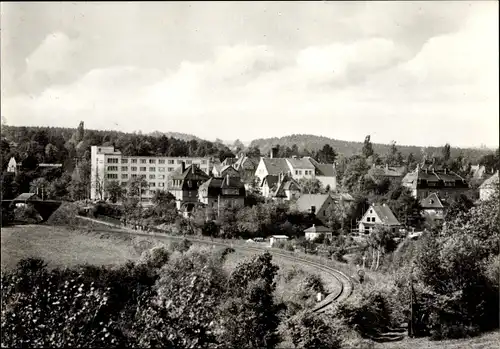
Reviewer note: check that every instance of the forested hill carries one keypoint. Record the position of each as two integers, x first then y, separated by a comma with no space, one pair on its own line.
313,143
178,135
63,145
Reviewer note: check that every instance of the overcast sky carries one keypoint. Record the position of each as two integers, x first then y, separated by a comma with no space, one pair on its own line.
421,73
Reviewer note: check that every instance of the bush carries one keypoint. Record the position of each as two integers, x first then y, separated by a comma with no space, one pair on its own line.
27,214
66,214
313,282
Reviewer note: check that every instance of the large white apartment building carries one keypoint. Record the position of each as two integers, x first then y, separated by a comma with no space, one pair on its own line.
108,164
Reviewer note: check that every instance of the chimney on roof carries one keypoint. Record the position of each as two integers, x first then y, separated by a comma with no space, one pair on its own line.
273,153
183,166
387,167
227,179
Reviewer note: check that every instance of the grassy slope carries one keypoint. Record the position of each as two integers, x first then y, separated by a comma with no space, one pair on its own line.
487,341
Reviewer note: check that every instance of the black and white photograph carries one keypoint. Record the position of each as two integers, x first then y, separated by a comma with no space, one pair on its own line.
250,174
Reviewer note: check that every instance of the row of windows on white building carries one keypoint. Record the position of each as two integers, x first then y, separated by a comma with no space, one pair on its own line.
151,161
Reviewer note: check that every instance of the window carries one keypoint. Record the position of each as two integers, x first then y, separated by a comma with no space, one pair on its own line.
112,168
152,161
171,162
371,211
152,184
188,162
142,169
124,176
152,176
134,176
133,168
313,209
161,161
161,184
112,160
161,169
143,161
161,176
124,168
142,176
152,169
170,169
373,219
124,161
296,172
112,176
134,161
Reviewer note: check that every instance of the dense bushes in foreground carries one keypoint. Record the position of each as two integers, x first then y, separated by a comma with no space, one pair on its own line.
172,297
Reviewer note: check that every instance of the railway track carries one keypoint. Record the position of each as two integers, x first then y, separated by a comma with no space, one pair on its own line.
345,282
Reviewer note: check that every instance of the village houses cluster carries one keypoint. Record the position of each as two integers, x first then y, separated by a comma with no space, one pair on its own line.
206,182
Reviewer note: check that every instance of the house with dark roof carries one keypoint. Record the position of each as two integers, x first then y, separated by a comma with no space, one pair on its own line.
246,166
487,189
222,191
325,173
316,204
314,232
393,173
280,187
427,179
298,168
184,183
222,171
24,198
271,166
434,207
378,216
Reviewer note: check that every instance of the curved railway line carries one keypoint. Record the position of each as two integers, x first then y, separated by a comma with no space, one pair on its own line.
345,282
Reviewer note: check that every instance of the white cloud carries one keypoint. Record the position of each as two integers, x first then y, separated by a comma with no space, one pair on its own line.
344,90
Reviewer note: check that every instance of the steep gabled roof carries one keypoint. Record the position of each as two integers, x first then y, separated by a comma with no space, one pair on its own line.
246,162
325,170
385,214
189,171
305,201
318,229
26,196
215,184
432,201
303,163
342,196
276,166
286,184
491,182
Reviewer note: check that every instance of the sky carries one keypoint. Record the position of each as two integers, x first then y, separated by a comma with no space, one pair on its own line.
421,73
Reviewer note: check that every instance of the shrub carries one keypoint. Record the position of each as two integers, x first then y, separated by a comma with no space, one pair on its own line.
309,331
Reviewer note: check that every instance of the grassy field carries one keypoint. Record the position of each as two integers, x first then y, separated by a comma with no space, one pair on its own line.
487,341
59,246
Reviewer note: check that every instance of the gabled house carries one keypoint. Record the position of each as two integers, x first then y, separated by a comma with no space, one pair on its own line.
184,184
281,187
300,168
427,179
314,232
222,191
316,204
12,166
393,173
246,166
271,166
222,171
22,199
433,206
378,216
325,173
487,189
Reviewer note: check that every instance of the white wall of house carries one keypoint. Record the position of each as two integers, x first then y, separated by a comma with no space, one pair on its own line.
261,170
331,181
